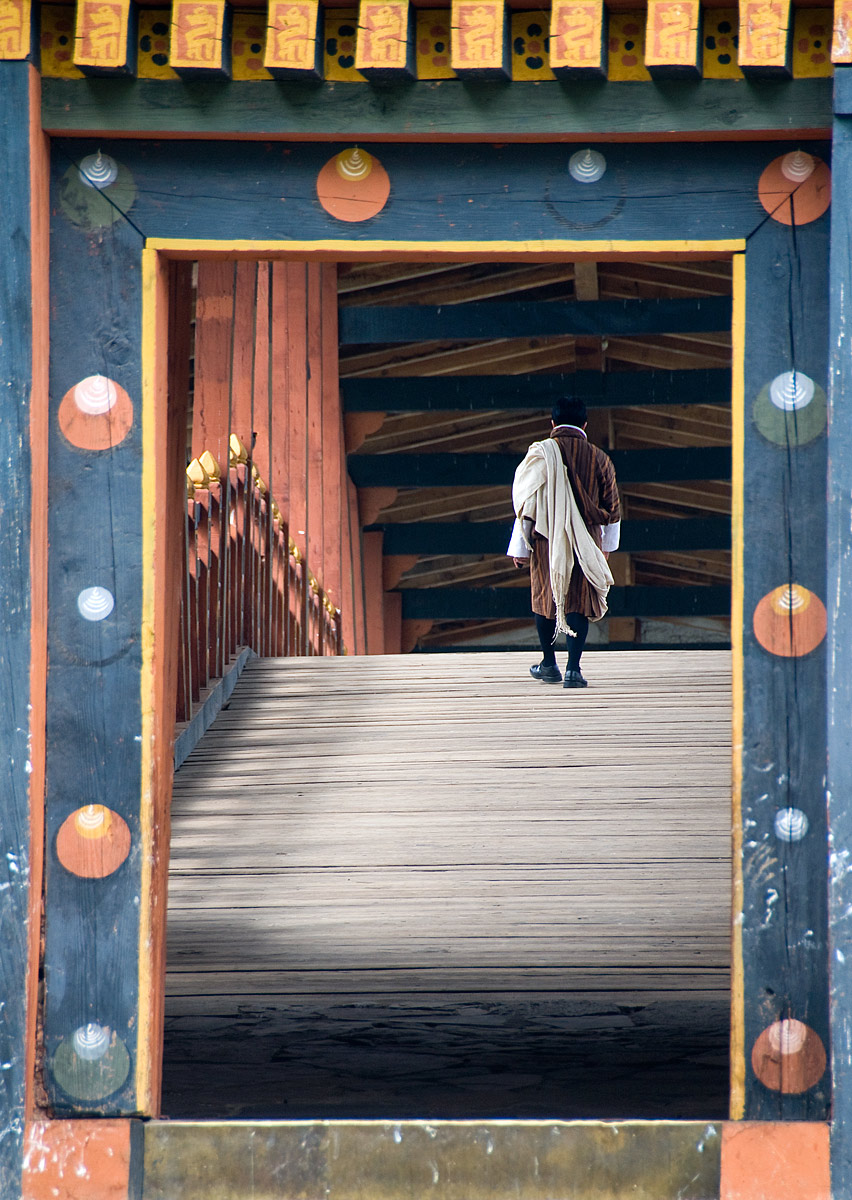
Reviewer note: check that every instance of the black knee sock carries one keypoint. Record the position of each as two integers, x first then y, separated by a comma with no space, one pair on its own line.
580,626
546,630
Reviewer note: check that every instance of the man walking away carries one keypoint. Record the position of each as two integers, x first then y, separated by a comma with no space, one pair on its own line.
567,522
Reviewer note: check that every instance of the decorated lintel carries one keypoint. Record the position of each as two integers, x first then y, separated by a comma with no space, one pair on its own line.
673,39
841,42
578,38
764,46
385,47
480,39
293,41
200,37
16,29
105,37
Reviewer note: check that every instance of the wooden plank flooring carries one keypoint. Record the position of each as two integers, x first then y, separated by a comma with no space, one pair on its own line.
428,885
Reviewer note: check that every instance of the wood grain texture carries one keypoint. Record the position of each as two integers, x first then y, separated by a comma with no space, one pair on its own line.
418,844
783,759
839,781
94,722
16,611
706,108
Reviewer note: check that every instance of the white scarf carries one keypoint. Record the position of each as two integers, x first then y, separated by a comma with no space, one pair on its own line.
542,493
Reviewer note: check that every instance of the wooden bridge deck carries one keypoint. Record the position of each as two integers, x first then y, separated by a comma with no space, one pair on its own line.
430,886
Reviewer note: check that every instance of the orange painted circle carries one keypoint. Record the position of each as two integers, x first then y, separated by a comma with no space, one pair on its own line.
86,421
93,842
810,197
790,621
789,1057
353,199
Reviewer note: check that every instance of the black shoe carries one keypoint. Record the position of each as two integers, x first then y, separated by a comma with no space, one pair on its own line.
574,679
546,674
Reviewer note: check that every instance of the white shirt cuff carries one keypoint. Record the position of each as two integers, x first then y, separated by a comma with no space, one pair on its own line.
517,546
610,537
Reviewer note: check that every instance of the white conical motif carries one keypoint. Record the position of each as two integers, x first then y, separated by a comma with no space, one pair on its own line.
91,818
91,1041
791,390
95,395
791,824
787,1037
586,166
797,166
95,603
354,164
98,171
791,598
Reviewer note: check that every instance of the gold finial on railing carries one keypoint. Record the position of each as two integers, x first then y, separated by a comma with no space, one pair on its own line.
190,488
195,471
210,465
237,451
276,513
260,485
313,584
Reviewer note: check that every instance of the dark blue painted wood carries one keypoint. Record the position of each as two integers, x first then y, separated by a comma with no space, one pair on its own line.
516,193
784,916
94,720
598,389
481,470
596,318
839,780
491,537
15,613
457,604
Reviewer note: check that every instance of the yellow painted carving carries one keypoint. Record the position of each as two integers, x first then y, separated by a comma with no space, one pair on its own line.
291,35
15,18
763,33
671,32
530,46
56,39
477,28
196,39
101,33
812,29
841,45
247,33
575,33
627,46
432,44
721,38
154,44
382,34
341,31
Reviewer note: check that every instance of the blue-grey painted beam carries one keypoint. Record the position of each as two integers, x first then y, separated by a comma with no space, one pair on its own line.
369,324
484,470
16,369
491,537
510,603
614,389
839,592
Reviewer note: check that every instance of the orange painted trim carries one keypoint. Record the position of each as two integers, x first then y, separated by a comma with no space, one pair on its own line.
775,1160
738,337
77,1160
332,436
39,417
156,706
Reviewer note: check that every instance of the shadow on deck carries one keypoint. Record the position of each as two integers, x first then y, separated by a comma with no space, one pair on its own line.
429,886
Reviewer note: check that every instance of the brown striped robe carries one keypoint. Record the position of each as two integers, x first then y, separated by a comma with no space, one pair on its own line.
592,479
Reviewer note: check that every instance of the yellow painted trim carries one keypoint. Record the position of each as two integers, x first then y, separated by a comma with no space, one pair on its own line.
146,805
349,249
737,1103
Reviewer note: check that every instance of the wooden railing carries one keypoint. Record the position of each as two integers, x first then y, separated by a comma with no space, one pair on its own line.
246,584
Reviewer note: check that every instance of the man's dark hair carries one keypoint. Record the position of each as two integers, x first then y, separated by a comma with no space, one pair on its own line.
569,410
